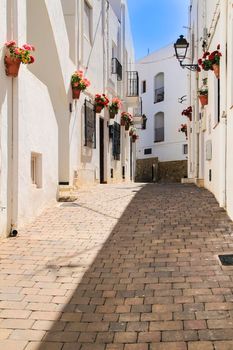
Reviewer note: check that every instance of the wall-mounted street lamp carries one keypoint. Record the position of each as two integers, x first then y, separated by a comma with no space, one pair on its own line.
181,48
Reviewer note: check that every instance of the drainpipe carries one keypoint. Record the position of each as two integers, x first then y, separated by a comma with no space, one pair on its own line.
223,101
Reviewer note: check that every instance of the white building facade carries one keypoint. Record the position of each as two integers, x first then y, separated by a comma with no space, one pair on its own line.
163,91
44,133
210,155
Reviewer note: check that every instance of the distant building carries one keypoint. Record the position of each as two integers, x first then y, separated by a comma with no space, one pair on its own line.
163,91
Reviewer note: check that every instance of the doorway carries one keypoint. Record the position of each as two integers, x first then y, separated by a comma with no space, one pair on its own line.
101,147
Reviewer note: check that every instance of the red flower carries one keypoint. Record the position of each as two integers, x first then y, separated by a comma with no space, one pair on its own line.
199,61
198,69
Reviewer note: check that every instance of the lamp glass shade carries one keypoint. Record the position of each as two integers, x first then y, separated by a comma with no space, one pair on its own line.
181,47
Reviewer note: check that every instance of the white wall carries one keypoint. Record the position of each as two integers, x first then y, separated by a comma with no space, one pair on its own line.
175,86
5,109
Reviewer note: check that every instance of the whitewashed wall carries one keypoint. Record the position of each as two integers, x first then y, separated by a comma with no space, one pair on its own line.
175,86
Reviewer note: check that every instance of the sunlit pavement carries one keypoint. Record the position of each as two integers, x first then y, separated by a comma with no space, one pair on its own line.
125,267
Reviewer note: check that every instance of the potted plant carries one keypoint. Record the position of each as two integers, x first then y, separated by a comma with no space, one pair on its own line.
15,56
188,112
210,61
133,134
114,107
183,128
101,101
203,93
126,120
78,83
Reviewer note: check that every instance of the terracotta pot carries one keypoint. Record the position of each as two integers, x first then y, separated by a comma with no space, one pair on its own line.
122,122
11,66
112,114
134,138
126,126
98,109
203,99
216,69
75,93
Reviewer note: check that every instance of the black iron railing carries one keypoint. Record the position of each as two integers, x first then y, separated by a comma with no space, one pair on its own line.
90,124
132,83
159,95
116,141
117,68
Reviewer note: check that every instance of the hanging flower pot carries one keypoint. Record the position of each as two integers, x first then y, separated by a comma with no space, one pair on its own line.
216,70
15,55
126,126
76,93
203,99
98,108
12,66
78,83
134,138
112,114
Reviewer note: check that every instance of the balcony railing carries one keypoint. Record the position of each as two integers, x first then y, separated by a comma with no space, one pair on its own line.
117,68
132,83
159,95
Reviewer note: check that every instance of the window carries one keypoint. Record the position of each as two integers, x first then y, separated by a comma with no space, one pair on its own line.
90,125
36,169
143,86
116,141
185,149
87,21
148,151
159,88
159,127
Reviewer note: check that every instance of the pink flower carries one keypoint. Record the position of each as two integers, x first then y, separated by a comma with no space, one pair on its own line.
28,47
17,51
10,43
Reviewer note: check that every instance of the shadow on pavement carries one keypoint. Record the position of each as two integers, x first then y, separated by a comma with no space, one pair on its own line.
141,279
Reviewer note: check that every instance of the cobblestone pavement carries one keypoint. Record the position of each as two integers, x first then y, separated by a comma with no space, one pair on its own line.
125,267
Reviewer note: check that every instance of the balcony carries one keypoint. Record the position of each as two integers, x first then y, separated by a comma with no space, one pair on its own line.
132,84
159,95
132,89
117,68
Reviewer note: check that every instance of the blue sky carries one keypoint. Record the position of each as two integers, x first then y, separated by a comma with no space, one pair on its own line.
156,23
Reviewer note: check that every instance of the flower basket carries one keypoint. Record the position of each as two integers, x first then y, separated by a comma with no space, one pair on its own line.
203,99
12,66
76,93
216,70
98,108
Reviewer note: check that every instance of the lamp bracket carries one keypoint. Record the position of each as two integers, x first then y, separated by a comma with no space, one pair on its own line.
192,67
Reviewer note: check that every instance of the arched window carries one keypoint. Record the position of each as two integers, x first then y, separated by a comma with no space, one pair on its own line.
159,127
159,87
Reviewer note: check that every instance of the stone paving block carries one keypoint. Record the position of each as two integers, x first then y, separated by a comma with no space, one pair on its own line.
201,345
116,280
168,346
13,345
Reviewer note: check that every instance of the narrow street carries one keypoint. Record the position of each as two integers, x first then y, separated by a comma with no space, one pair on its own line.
125,267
